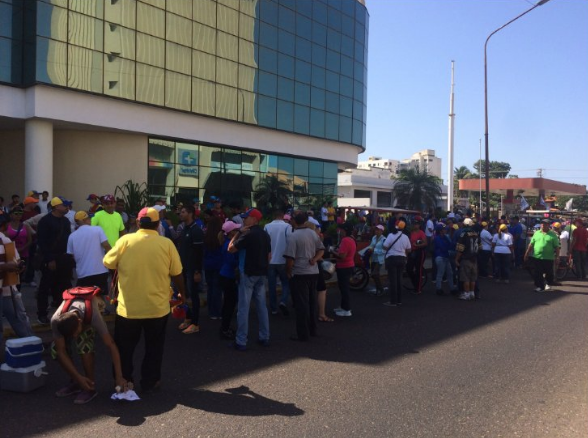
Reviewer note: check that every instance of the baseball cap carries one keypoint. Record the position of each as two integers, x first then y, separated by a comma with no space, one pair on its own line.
439,227
253,212
108,198
503,227
380,227
545,221
468,222
58,200
148,215
484,224
455,227
32,193
91,196
159,207
314,221
401,225
30,200
287,217
556,225
229,226
418,219
81,215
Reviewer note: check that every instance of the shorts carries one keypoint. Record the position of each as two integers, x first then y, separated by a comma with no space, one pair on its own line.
468,271
321,285
83,344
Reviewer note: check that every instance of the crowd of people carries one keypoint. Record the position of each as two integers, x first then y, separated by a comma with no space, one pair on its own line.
140,264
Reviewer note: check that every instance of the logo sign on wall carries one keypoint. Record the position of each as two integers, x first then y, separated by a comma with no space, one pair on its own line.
188,162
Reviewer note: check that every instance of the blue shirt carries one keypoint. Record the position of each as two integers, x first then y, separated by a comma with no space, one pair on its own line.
516,232
229,261
442,245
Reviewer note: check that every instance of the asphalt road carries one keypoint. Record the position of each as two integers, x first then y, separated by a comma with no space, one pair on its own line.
514,364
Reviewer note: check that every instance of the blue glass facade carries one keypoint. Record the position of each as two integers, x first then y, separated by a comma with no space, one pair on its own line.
295,66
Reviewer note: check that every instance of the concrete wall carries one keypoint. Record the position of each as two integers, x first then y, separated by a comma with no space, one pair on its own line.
96,162
12,164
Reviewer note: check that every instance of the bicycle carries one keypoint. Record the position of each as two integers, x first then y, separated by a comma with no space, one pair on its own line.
564,267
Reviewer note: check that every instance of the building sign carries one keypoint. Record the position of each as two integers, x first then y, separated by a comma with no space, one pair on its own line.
188,162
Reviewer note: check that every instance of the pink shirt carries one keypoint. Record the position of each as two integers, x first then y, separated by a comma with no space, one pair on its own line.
19,241
348,247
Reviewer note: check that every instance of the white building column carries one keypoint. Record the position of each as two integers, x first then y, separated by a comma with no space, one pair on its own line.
38,156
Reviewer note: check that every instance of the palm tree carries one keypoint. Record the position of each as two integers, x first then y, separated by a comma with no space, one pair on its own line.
461,172
272,193
417,190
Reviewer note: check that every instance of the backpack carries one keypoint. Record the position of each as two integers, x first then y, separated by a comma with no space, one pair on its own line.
468,244
81,293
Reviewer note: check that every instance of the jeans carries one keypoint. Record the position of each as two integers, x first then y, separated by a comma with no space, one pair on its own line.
54,283
14,311
415,268
375,274
395,267
229,288
275,271
580,263
214,294
483,259
503,262
443,267
193,291
251,287
305,299
127,333
343,278
543,267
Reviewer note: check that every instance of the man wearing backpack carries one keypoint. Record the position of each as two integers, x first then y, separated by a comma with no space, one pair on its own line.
467,259
74,325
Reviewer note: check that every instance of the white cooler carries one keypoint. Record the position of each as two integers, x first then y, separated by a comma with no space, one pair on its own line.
22,379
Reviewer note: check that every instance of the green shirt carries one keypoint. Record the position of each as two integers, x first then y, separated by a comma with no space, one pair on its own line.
112,224
544,245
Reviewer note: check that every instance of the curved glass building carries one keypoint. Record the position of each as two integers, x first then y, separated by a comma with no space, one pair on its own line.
195,97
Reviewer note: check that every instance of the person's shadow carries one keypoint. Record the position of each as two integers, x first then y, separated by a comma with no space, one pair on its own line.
239,401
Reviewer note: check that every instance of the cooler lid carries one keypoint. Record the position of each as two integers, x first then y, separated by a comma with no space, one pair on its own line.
5,367
21,342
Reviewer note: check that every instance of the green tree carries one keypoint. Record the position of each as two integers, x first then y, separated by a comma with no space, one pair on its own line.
272,193
461,172
416,190
134,195
498,169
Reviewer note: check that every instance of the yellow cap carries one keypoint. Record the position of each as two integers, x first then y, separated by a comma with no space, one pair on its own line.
455,227
556,225
81,216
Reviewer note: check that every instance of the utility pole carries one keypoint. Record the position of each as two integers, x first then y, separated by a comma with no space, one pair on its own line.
450,149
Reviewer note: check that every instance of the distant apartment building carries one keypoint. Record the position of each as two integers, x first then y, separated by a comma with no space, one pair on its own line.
424,160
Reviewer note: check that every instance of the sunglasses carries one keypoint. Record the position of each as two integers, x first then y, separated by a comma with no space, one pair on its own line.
18,213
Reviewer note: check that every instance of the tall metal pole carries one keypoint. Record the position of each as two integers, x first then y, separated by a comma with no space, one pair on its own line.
450,150
487,166
480,177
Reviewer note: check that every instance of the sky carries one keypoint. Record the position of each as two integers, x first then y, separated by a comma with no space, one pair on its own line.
537,83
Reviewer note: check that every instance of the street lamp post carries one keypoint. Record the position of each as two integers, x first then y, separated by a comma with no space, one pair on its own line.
487,164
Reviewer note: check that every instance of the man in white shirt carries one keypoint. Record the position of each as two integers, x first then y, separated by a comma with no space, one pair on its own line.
88,245
324,216
486,252
279,232
70,215
43,202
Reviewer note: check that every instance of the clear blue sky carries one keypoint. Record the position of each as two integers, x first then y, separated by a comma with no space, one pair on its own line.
537,82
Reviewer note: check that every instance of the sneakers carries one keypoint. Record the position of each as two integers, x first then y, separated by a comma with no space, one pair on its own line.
342,312
192,328
538,289
84,397
43,320
338,309
284,309
506,281
547,287
66,391
237,347
466,296
472,295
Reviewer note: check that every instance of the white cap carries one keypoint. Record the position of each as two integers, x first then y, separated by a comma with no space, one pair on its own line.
159,207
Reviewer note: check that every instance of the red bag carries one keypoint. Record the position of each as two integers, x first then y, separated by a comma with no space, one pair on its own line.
81,293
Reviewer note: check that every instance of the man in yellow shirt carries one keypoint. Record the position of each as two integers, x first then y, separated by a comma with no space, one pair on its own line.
145,262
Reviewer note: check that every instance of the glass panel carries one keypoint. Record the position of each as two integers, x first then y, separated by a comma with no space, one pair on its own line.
178,58
203,65
286,89
204,38
232,161
248,53
150,50
84,69
285,116
211,156
187,167
150,20
266,114
203,97
303,26
94,8
334,40
332,102
119,77
304,8
303,71
346,106
287,20
318,77
300,167
230,3
247,78
227,20
348,8
345,129
330,170
269,164
268,12
51,62
161,150
287,43
329,187
286,165
317,123
180,7
51,22
85,31
302,94
268,35
319,55
332,82
347,66
226,102
332,126
358,90
347,25
268,60
119,41
150,81
360,13
319,34
357,110
301,119
317,98
315,168
360,33
359,51
359,72
205,12
268,84
347,46
285,66
335,19
122,12
157,3
5,20
357,133
5,58
226,72
246,27
177,91
303,49
246,102
179,29
346,86
319,12
210,182
251,161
